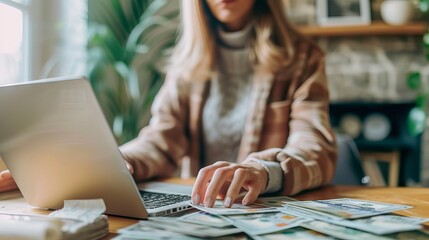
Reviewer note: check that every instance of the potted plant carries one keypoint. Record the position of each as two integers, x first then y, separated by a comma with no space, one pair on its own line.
417,118
128,45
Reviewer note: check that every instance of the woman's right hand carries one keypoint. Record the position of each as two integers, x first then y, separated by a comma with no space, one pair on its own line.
6,181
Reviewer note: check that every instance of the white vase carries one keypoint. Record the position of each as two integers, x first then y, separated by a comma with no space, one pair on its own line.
396,12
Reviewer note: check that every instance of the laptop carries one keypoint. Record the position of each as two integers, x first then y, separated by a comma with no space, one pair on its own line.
58,146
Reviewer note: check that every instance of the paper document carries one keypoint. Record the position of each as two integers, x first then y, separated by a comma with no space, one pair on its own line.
28,230
79,219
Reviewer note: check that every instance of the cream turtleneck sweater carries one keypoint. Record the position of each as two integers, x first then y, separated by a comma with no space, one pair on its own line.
226,108
225,111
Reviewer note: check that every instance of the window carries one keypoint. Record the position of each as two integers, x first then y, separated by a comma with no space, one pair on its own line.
14,54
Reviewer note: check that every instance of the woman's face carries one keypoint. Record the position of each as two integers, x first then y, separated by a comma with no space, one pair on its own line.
233,14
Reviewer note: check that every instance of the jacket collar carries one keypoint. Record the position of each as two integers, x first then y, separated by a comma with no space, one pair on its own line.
251,136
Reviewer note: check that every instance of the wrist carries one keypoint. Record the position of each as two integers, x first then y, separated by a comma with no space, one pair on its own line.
261,169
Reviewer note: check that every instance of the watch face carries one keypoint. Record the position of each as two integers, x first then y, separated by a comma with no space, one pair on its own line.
351,124
376,127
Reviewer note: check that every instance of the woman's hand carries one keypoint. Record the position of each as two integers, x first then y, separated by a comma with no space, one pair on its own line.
6,181
130,167
227,179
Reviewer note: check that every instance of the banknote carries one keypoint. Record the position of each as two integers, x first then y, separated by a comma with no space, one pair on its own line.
197,230
142,231
263,223
219,209
413,235
274,201
385,224
294,234
341,232
380,225
152,237
205,219
399,219
350,208
308,213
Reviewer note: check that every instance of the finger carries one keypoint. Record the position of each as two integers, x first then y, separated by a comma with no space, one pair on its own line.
7,185
203,178
223,190
235,187
5,182
252,195
220,176
5,174
130,167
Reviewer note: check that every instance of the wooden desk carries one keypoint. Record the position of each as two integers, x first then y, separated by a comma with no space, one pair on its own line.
416,197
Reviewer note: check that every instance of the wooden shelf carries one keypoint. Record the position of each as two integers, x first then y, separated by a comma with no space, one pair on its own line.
374,29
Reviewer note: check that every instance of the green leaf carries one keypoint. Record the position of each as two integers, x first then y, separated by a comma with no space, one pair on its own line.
416,121
426,39
424,5
118,125
126,42
414,80
421,101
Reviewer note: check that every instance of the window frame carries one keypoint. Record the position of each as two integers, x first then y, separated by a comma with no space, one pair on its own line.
24,7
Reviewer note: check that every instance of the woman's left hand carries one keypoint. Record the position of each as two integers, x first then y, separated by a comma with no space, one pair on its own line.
227,179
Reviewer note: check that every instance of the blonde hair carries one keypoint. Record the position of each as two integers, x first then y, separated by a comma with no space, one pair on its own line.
272,43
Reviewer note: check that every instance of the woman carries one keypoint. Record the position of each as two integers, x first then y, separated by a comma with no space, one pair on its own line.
246,99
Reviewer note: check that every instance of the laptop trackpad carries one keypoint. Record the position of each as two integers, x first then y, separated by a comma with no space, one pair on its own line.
163,187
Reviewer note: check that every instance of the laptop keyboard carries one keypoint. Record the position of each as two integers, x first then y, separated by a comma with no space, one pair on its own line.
155,200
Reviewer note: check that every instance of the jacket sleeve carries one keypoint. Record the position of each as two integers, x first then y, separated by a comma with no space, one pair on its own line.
160,145
308,160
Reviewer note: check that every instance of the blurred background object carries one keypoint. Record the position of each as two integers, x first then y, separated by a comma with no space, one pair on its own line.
122,46
301,12
367,66
128,46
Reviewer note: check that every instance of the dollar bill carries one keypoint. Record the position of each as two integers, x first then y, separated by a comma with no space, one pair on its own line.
274,201
350,208
380,225
412,235
263,223
142,231
197,230
309,213
384,224
205,219
152,237
219,209
294,234
400,219
341,232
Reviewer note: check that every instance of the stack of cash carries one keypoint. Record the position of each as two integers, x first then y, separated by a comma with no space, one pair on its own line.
284,218
83,219
78,219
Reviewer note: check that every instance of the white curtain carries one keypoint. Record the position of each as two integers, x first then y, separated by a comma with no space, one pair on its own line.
58,38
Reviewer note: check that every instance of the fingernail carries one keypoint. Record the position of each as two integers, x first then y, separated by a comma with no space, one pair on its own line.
227,202
4,174
196,200
209,202
245,201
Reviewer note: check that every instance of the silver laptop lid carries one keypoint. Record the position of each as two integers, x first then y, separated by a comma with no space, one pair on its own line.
58,145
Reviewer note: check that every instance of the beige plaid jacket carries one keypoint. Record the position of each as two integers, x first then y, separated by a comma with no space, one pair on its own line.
288,122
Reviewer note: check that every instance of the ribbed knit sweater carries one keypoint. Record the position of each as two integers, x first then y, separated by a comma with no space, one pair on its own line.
226,109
